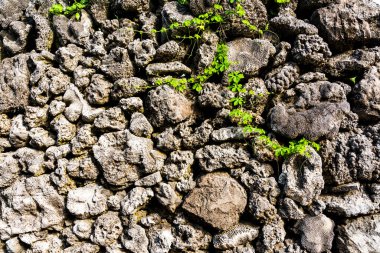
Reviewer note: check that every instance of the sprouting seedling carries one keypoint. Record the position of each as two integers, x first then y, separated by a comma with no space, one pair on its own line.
353,79
282,1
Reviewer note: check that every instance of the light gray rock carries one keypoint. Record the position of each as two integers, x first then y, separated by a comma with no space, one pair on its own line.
15,38
18,134
236,236
250,55
162,69
167,141
316,240
160,238
167,106
272,236
64,129
83,228
112,119
107,229
117,64
83,77
14,83
98,92
44,33
261,209
40,138
178,165
11,10
82,167
170,51
136,199
83,140
205,201
143,51
128,87
228,134
131,105
132,6
167,196
82,247
140,126
214,96
36,116
9,169
305,186
30,204
68,57
31,160
149,180
366,98
5,125
213,157
135,240
290,210
359,235
87,201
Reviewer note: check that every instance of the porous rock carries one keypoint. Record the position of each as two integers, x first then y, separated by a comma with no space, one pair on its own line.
205,201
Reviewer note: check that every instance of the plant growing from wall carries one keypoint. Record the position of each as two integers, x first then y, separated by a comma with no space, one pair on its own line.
74,9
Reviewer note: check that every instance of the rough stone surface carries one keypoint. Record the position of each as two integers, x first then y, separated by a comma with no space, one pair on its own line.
205,201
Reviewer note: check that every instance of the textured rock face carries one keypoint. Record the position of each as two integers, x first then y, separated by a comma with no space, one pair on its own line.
218,200
348,24
106,146
251,55
167,106
14,82
359,235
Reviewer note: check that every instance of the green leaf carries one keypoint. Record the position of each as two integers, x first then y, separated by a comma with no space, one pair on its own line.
56,9
77,16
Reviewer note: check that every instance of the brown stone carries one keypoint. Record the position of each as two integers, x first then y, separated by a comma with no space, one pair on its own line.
218,200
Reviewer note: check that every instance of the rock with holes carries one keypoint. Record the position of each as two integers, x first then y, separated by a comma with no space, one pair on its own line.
281,78
217,200
316,240
136,199
16,38
306,186
290,26
310,49
167,106
250,55
107,229
87,201
236,236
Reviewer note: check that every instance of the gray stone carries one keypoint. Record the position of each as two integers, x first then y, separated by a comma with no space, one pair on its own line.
112,119
30,204
87,201
135,199
167,196
282,78
323,120
14,83
316,240
236,236
143,51
178,165
128,87
167,141
83,141
40,138
64,129
305,186
9,169
167,106
359,235
107,229
117,64
44,33
11,10
132,6
36,116
83,77
205,201
140,125
272,236
213,157
170,51
83,168
261,209
98,92
149,180
162,69
135,239
131,105
290,26
347,25
83,228
5,125
15,38
351,204
160,238
310,49
250,55
228,134
214,96
31,160
366,95
68,57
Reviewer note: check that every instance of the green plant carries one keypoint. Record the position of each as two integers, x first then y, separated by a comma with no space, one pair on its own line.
282,1
75,8
353,79
183,2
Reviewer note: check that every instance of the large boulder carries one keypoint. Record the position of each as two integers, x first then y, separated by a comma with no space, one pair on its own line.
218,200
